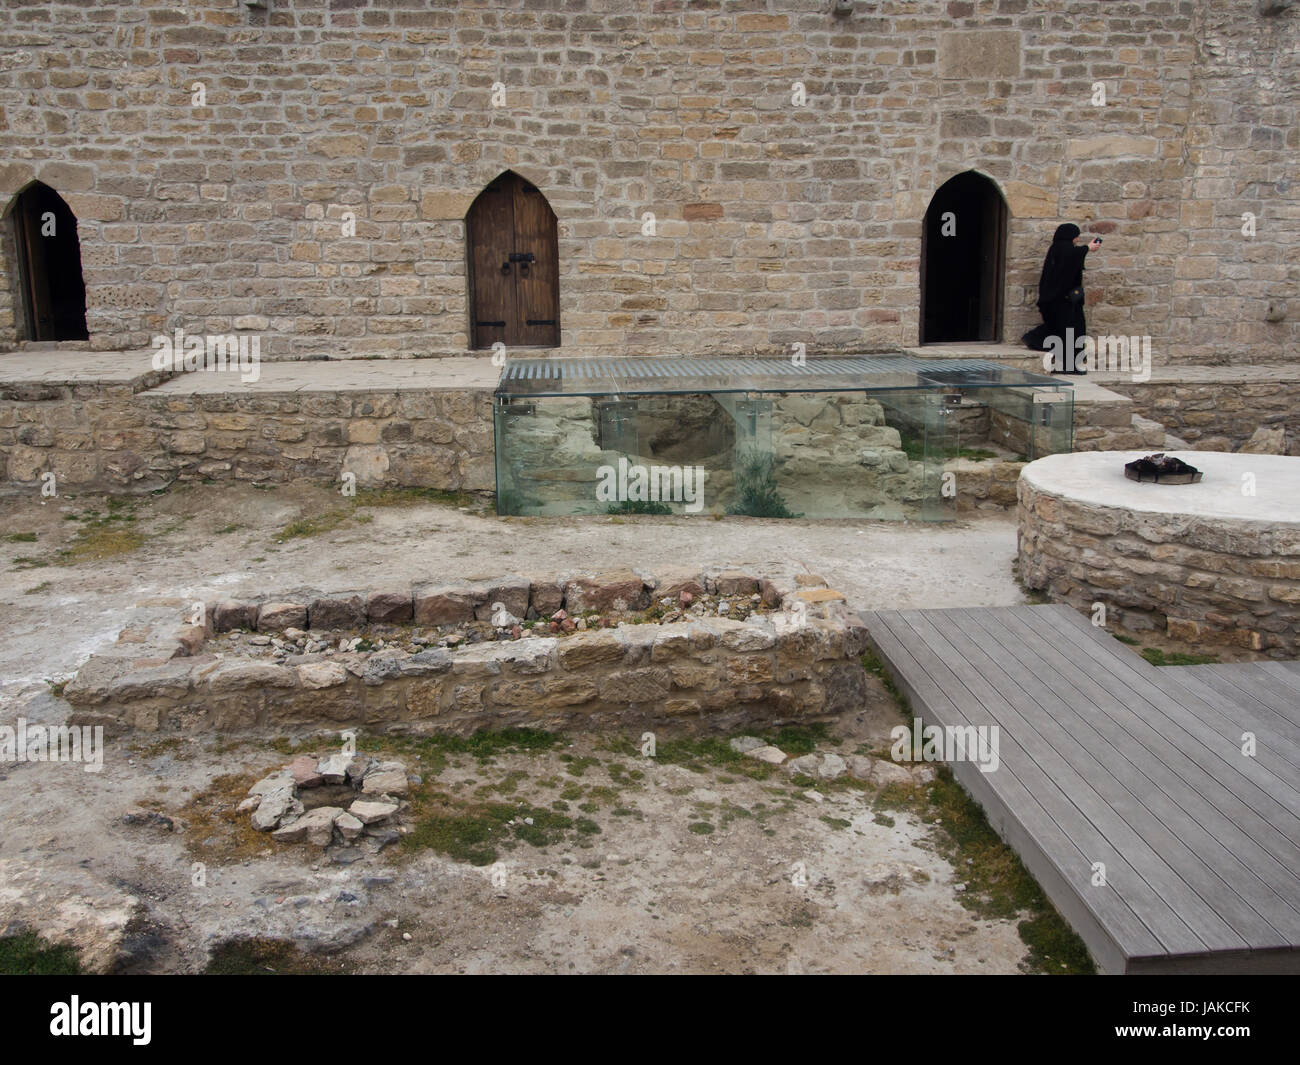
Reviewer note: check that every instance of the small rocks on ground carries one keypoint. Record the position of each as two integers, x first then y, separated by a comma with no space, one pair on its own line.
769,754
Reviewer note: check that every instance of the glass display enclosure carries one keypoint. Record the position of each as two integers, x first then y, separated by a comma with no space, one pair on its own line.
861,437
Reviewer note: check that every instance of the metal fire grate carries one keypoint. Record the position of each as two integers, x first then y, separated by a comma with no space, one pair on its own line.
647,375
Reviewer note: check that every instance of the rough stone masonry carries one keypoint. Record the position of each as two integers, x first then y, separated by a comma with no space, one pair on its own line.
302,171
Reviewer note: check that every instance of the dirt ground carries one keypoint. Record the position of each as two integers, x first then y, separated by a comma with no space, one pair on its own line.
778,882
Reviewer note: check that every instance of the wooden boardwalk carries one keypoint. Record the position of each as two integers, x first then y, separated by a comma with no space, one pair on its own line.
1105,758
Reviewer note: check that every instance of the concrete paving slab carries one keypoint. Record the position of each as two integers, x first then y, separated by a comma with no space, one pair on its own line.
355,375
54,367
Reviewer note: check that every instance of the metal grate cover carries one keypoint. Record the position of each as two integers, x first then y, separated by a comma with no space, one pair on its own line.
645,375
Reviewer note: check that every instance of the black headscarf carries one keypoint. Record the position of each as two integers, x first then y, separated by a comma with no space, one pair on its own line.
1063,266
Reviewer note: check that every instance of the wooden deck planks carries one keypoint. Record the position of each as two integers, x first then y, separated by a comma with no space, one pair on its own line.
1162,807
1087,794
1219,837
1250,709
1274,796
1107,758
1203,766
1048,853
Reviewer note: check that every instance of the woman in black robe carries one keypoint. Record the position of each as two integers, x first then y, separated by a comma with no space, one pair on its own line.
1060,295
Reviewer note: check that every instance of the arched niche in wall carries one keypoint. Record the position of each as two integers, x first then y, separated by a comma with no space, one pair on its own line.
52,292
963,261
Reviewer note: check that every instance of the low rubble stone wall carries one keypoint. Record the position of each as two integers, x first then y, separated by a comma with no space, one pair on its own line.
800,663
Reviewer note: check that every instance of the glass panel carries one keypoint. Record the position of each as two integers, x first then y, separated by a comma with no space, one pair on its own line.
754,489
1054,414
549,455
834,453
943,420
1028,422
849,454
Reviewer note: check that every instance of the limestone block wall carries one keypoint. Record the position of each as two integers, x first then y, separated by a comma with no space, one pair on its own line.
1222,415
90,436
302,171
417,438
111,438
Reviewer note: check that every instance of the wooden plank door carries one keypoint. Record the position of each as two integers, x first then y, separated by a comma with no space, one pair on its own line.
993,239
34,270
537,280
514,266
490,233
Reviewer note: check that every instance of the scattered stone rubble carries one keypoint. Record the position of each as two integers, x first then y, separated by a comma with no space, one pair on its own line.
830,766
283,803
685,601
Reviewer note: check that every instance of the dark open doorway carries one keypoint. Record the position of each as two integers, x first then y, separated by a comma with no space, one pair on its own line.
514,266
53,293
963,261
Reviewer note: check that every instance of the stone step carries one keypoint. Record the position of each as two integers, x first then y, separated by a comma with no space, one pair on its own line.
1097,406
1151,432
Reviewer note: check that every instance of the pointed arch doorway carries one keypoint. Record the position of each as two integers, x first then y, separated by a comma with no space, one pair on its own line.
514,266
52,291
963,261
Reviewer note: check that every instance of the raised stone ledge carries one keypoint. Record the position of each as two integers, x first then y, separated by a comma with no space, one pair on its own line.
1205,563
473,600
708,673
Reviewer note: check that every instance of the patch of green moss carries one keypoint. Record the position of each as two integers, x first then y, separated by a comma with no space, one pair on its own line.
476,832
313,526
29,955
436,750
998,885
876,668
638,506
267,957
796,740
579,765
1158,657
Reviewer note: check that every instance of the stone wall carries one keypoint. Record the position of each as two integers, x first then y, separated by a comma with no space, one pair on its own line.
90,436
706,674
1224,415
1209,581
775,221
834,456
110,438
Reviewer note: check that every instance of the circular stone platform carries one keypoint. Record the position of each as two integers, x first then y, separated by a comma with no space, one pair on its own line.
1215,562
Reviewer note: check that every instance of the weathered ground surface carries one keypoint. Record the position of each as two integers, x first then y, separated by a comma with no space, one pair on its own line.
647,892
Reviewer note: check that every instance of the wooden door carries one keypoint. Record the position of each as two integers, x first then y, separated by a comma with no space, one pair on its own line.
49,266
514,266
34,271
992,267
